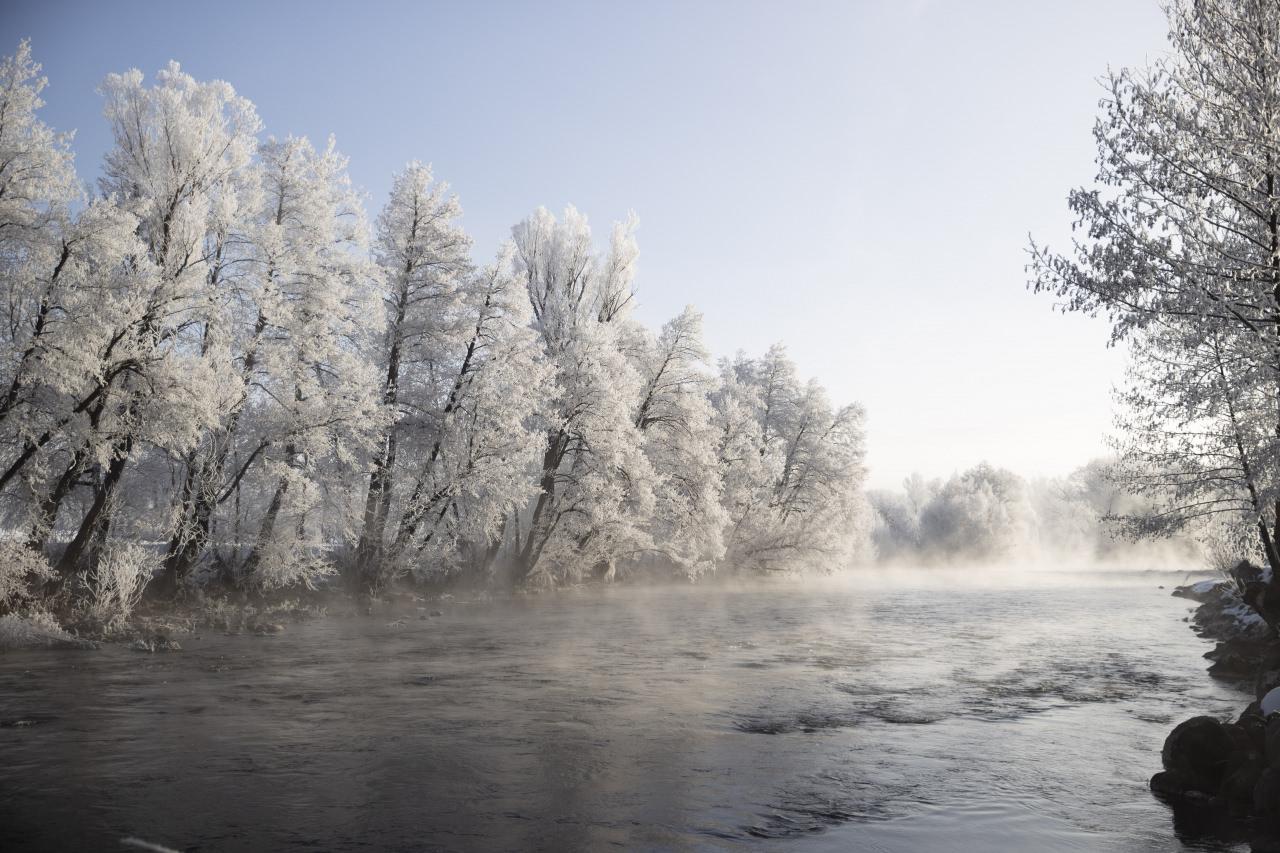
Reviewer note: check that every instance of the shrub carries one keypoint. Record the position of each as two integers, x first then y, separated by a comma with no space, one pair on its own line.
22,570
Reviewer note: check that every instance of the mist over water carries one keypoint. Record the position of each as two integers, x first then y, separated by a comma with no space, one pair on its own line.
1017,712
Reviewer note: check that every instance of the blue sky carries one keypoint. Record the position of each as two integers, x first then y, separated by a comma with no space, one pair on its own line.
856,179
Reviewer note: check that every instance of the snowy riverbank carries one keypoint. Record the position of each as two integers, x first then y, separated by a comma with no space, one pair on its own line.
1227,774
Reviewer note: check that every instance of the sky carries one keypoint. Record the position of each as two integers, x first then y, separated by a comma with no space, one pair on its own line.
857,180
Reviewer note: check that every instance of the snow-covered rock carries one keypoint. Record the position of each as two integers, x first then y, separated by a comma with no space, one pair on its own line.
1222,614
1271,702
1201,591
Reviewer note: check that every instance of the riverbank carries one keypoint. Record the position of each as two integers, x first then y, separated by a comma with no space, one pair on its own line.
1224,775
158,625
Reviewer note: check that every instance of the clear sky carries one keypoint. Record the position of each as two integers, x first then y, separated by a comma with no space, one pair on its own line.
855,179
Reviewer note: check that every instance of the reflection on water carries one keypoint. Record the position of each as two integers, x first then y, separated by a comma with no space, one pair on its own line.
833,716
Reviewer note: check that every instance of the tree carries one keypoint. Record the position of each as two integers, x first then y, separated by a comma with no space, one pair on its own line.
792,467
197,358
484,434
147,383
674,416
316,401
595,482
425,260
38,256
1182,253
983,514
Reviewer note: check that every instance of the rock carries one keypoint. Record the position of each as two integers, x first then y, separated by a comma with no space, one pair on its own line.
264,628
1250,735
1266,793
1202,591
1239,784
1271,741
1266,681
155,643
1180,785
1198,751
1248,741
1252,713
1239,658
1225,615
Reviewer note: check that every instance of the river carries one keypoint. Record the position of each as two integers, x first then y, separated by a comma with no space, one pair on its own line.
925,712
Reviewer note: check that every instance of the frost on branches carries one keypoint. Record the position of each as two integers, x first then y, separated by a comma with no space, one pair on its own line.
1179,247
217,370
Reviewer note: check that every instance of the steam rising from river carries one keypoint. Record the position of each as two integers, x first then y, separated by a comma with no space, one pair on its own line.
919,709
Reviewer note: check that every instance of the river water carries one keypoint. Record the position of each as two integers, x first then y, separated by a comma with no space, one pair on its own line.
926,712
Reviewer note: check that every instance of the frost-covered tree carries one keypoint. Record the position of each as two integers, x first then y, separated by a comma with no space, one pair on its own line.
792,466
987,514
675,417
145,382
40,255
477,444
199,363
595,482
984,513
426,264
1181,251
315,404
37,183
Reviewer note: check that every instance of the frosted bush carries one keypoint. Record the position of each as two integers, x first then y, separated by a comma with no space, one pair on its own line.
20,570
115,587
290,563
35,632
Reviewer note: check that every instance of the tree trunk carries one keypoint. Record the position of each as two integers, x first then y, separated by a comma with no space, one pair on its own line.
267,530
90,537
47,514
191,533
527,558
377,505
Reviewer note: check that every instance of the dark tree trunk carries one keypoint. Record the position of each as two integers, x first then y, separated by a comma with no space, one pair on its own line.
85,547
377,506
267,530
47,514
527,558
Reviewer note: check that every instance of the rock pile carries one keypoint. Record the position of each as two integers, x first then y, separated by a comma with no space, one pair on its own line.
1231,769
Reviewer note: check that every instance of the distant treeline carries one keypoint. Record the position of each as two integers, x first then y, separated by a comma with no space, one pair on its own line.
992,515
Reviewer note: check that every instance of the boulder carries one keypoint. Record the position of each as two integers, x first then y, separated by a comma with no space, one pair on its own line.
1202,591
1252,714
1266,681
1180,785
1249,734
1198,750
1239,658
1239,785
1266,793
